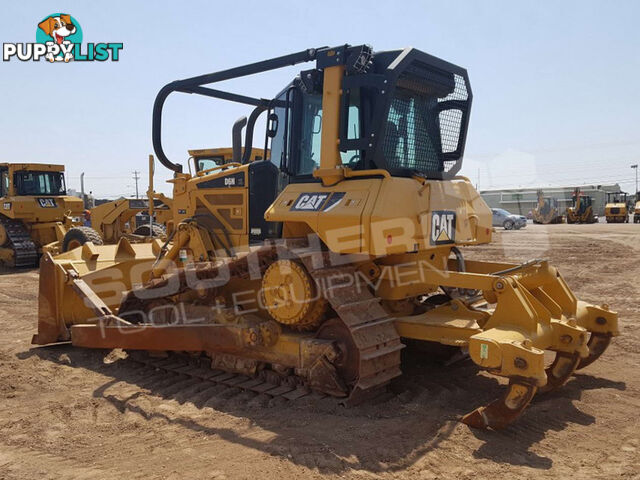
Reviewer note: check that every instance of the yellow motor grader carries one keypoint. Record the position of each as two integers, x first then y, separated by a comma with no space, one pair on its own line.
36,211
547,210
311,270
117,218
582,209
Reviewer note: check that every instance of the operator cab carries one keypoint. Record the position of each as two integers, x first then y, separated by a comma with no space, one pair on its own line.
30,182
404,111
616,197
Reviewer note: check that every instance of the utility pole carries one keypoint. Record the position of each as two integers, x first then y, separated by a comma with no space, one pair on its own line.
136,177
635,167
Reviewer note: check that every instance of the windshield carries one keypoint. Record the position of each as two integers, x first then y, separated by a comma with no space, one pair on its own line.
205,163
311,134
40,183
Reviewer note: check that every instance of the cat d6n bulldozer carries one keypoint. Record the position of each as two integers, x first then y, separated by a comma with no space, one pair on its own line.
547,210
308,272
116,219
36,211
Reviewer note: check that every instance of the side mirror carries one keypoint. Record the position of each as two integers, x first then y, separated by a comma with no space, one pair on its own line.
272,125
236,138
317,124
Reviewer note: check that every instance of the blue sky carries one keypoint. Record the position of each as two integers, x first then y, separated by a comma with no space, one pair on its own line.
556,97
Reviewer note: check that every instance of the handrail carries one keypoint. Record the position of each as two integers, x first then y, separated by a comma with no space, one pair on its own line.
195,85
348,173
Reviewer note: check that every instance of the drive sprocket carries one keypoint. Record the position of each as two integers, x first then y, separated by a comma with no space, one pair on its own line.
291,297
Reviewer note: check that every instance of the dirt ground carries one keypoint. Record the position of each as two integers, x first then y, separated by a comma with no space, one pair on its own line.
67,413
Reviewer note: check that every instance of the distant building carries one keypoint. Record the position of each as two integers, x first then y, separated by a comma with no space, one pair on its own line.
524,200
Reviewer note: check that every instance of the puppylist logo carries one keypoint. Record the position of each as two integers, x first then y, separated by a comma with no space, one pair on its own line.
59,39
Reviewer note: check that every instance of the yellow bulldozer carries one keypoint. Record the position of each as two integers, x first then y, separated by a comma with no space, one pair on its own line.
581,211
636,211
116,219
36,212
547,210
208,159
617,208
309,271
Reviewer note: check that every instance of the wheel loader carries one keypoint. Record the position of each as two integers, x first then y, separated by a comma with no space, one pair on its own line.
617,208
307,273
36,211
582,209
547,210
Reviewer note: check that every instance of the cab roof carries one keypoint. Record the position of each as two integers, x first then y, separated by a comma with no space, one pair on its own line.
35,167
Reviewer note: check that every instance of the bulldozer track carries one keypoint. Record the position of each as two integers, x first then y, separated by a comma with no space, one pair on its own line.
25,253
374,355
371,328
197,382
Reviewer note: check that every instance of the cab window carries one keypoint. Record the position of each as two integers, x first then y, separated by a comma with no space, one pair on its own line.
40,183
209,162
311,134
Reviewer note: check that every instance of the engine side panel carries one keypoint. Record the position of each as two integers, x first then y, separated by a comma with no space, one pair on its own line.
383,216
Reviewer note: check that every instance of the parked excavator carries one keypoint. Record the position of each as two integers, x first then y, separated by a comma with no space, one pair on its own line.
309,271
617,208
582,209
547,210
36,212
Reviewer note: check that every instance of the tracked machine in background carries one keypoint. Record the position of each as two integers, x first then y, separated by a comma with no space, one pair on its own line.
617,208
636,211
582,209
309,271
36,212
547,210
118,219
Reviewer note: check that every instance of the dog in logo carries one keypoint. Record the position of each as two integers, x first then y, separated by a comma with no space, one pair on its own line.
58,28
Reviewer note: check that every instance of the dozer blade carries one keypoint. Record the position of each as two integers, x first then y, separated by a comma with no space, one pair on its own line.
87,283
